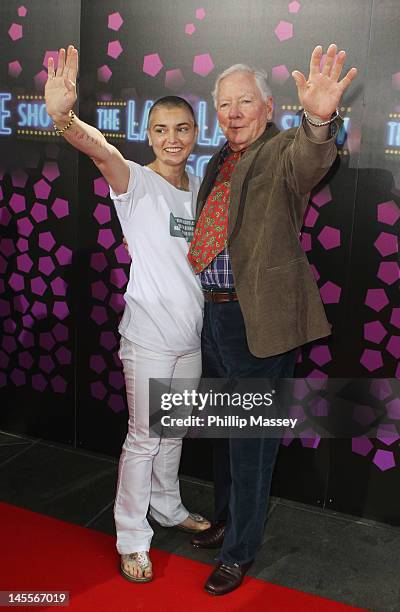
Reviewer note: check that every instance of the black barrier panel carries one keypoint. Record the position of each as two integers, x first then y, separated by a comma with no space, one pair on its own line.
60,375
364,473
38,201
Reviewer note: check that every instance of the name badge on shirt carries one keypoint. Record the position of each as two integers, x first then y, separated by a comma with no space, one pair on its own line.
181,228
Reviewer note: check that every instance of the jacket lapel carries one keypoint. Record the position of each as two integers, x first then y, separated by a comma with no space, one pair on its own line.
239,178
241,175
207,183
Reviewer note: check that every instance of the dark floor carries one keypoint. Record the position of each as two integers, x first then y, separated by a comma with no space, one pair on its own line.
328,554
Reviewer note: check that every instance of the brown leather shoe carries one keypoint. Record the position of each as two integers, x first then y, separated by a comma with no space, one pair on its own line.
211,537
226,577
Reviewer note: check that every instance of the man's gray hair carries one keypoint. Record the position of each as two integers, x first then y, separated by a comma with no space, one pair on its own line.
260,77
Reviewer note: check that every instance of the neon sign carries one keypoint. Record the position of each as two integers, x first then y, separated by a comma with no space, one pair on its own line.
132,124
217,138
290,120
392,137
393,134
136,125
108,119
4,114
34,115
128,119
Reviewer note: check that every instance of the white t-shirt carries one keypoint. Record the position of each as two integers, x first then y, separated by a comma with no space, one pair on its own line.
164,301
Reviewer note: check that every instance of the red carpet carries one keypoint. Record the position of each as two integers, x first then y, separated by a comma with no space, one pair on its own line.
44,554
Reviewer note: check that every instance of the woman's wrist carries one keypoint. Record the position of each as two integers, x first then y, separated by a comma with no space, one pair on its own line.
61,129
61,119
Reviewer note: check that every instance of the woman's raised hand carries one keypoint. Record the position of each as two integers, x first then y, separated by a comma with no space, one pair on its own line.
60,89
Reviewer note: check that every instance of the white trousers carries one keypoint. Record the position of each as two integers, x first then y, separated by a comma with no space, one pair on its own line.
148,467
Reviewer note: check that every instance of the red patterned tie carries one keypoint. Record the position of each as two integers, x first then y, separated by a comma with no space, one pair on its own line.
210,234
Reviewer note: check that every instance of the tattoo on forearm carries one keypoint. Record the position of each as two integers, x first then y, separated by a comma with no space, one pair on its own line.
82,136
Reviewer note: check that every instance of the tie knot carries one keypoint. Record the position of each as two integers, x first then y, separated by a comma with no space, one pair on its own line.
235,155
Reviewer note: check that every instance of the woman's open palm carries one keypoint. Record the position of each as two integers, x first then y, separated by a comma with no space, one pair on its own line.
60,89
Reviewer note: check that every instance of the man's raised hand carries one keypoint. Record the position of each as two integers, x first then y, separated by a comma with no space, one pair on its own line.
320,95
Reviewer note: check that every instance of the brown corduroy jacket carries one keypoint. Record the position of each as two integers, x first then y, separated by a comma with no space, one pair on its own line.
270,187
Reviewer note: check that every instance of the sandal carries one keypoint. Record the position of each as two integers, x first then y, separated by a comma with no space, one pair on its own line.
137,560
202,523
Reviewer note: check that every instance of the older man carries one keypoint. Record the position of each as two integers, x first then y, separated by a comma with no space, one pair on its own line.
261,300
